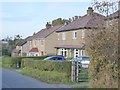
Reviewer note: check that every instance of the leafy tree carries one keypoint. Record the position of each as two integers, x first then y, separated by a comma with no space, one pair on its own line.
57,22
7,48
103,48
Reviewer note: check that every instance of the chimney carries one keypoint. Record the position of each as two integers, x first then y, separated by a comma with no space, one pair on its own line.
73,18
76,17
90,11
70,19
48,25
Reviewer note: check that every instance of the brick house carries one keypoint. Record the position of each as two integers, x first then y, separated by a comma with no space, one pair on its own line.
72,37
22,48
44,41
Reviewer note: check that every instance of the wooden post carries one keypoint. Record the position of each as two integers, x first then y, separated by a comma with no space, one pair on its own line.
73,71
77,70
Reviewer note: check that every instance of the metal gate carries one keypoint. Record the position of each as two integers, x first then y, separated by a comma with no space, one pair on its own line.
79,73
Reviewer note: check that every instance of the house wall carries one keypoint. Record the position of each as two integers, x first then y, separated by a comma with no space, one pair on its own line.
50,42
25,49
70,40
69,37
37,43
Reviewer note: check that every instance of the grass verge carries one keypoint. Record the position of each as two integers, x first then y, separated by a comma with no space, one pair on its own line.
46,76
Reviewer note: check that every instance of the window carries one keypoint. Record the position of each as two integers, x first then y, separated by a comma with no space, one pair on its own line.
83,34
74,35
58,36
63,36
63,52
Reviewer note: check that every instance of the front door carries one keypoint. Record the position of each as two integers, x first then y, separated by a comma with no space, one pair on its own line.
76,53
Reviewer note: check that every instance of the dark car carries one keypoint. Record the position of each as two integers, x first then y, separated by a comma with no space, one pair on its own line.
56,58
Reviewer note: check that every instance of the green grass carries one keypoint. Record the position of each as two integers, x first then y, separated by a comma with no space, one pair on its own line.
0,61
6,62
80,87
46,76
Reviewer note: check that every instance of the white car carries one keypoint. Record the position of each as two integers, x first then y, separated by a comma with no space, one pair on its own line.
84,60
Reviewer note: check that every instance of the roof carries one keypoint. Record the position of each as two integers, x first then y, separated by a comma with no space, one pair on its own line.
114,15
16,50
45,32
70,46
94,20
34,50
23,41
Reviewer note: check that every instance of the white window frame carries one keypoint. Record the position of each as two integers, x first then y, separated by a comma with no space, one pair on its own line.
64,36
76,53
62,51
42,42
58,36
74,35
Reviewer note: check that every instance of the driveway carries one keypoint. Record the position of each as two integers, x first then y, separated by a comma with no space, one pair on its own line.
12,79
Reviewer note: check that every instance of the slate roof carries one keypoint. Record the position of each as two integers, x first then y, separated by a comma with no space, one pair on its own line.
94,20
23,41
45,32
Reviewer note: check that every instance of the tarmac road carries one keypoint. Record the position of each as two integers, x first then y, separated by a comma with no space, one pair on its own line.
12,79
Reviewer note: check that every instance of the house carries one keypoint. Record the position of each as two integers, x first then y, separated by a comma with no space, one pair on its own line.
43,42
72,37
22,48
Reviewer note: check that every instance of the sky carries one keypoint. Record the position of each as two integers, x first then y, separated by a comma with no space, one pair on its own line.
28,16
25,18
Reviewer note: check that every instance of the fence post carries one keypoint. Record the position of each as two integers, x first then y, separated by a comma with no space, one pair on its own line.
77,70
73,71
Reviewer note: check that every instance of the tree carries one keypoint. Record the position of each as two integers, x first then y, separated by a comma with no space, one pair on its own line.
103,48
57,22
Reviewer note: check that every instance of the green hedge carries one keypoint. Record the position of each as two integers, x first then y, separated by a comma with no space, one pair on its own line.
36,57
15,62
11,62
42,65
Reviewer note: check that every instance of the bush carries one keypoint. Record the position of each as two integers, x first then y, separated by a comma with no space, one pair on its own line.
11,62
48,65
6,62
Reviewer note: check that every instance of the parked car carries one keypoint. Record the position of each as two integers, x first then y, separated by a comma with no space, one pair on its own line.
84,60
56,58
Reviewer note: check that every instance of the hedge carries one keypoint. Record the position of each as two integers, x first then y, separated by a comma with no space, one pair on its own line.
15,62
42,65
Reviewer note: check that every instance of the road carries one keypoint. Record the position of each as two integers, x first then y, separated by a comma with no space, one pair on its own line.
12,79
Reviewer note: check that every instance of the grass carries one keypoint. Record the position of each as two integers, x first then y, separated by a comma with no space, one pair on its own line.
51,77
80,87
46,76
0,61
6,61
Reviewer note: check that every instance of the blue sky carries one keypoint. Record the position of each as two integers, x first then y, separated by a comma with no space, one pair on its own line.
25,18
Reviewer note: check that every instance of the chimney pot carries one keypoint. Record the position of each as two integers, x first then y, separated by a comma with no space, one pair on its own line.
90,11
48,25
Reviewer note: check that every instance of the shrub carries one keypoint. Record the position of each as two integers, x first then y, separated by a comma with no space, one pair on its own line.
6,62
48,65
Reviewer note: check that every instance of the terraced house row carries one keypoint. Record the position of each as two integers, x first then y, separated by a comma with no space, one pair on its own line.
68,40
